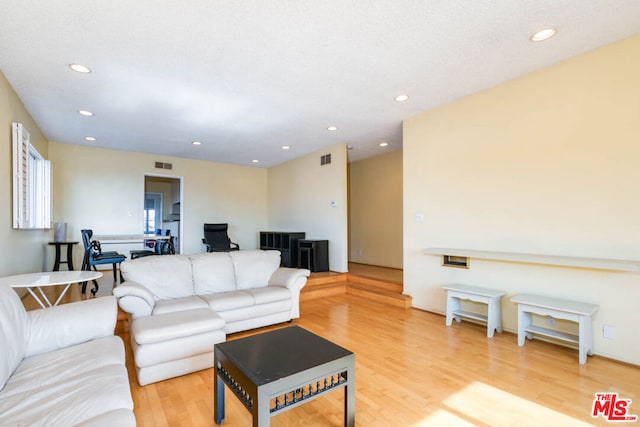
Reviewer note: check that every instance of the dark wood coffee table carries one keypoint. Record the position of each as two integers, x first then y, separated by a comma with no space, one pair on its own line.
281,369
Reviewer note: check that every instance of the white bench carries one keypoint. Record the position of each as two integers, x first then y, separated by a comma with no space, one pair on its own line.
491,297
574,311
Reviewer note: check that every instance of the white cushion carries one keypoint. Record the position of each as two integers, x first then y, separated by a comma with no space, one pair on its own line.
13,332
253,268
256,311
168,326
68,386
228,300
213,272
179,304
69,324
177,349
167,276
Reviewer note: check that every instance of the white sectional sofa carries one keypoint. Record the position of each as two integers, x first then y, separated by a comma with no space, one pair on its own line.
62,366
181,305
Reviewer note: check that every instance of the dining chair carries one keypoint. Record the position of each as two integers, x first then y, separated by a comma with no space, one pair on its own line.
93,255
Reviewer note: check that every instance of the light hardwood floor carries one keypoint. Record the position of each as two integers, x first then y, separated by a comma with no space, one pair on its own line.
413,371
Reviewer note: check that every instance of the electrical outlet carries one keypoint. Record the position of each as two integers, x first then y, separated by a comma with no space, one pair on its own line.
551,321
609,332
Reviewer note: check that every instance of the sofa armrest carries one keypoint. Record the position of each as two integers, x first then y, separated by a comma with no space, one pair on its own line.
65,325
291,278
134,298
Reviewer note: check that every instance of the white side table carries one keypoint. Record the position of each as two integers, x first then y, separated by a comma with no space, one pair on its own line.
491,297
30,281
579,312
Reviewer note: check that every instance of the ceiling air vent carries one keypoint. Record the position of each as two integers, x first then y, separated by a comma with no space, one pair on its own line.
325,160
160,165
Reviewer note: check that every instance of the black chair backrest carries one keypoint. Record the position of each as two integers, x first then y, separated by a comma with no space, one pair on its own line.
163,232
86,239
216,235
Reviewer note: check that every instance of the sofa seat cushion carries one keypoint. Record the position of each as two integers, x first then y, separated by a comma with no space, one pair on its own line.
69,386
269,294
228,300
256,311
179,304
178,324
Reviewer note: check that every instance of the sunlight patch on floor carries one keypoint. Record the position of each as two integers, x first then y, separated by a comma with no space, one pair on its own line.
482,404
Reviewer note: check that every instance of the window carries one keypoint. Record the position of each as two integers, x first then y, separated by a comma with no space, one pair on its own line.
152,212
31,183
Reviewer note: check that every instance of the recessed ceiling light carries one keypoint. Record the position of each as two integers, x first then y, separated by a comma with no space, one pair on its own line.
85,113
542,35
80,68
285,147
401,98
332,128
255,161
384,144
196,143
89,138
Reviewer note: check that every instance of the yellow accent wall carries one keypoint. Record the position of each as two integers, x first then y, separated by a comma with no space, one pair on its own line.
301,193
375,210
547,164
23,251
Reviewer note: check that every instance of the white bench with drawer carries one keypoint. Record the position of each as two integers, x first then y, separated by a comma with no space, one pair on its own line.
574,311
491,297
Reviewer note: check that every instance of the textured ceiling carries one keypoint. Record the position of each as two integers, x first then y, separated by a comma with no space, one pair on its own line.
247,77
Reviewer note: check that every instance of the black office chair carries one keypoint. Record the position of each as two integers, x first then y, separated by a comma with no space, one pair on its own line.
93,255
217,239
160,246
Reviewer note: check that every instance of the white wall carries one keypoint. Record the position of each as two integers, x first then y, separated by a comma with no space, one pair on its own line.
547,163
23,251
104,189
375,210
300,196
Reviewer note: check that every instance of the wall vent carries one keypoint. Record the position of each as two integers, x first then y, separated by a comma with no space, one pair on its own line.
325,160
160,165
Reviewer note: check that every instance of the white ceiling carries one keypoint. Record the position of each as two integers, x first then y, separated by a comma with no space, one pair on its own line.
247,77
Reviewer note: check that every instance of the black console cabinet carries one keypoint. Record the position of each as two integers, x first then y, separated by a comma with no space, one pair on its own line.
313,255
285,242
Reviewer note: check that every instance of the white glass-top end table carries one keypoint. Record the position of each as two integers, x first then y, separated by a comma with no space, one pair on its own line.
31,281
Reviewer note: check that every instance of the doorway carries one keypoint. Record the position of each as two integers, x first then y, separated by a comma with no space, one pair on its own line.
163,206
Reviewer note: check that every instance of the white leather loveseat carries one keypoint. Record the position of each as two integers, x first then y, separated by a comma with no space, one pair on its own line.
62,366
181,305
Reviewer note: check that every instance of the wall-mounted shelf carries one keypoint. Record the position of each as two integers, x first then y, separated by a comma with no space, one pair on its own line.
565,261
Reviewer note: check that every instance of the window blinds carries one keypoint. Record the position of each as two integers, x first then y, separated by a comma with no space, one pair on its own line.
31,183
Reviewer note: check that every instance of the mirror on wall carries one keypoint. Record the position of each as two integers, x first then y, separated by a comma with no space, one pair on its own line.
163,206
31,183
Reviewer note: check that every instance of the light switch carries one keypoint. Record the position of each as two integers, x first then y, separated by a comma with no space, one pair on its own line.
419,217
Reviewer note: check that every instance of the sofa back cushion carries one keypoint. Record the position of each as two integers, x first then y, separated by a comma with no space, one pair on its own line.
165,276
253,268
13,332
212,273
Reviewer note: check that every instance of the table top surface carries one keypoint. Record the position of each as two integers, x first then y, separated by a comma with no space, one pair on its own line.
128,237
556,303
49,278
63,243
277,354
